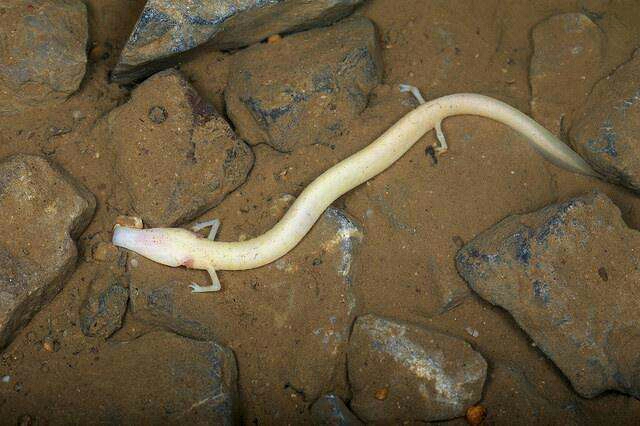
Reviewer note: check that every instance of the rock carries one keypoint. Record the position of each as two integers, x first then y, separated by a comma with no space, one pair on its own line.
309,290
269,101
567,61
102,312
43,210
166,28
177,156
43,56
568,275
329,410
606,131
400,371
158,378
527,400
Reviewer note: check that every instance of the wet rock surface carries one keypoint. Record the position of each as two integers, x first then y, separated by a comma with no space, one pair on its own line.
400,371
606,132
568,275
166,28
177,155
43,58
269,101
43,211
567,61
103,310
292,298
329,410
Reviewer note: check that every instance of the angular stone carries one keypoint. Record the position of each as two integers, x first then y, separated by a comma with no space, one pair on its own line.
167,28
308,290
43,56
43,210
567,60
329,410
158,378
270,101
102,311
606,131
568,275
400,371
177,155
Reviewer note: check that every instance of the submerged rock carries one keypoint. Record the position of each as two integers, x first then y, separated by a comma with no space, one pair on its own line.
269,101
400,371
329,410
43,211
43,55
309,290
606,132
567,60
166,28
102,312
176,154
568,274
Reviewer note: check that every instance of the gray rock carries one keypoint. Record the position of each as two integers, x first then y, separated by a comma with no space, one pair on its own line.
606,131
401,372
43,58
43,211
270,101
567,60
309,290
176,154
102,311
329,410
568,275
162,378
166,28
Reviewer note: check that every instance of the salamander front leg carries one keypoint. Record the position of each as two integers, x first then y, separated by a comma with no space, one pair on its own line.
214,224
215,284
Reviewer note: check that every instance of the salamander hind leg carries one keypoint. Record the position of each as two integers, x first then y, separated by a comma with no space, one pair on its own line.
214,224
441,147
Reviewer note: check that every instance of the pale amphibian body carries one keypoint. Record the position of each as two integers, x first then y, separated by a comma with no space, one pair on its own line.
180,247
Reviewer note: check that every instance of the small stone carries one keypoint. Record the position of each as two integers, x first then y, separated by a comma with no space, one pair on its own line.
5,379
274,38
105,252
269,101
130,222
381,394
426,375
102,311
476,414
542,268
329,410
49,344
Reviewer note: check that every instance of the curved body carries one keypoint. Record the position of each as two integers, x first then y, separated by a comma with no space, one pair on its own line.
186,248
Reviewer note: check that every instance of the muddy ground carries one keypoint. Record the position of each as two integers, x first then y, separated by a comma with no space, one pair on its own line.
423,211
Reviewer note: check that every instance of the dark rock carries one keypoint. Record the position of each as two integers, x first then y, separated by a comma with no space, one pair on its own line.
329,410
162,378
606,132
43,56
544,268
567,60
270,101
102,312
166,28
43,210
400,372
177,156
309,290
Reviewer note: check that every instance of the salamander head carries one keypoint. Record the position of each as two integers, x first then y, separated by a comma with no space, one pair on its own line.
169,246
